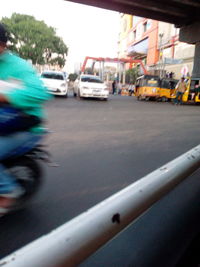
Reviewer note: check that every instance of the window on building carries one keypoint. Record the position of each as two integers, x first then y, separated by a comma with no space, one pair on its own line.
175,31
145,27
149,24
134,35
131,37
135,20
139,31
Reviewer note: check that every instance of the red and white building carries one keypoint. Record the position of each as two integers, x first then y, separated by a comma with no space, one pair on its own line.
156,43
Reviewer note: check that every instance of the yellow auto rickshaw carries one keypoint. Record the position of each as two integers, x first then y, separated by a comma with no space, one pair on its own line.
192,93
147,87
167,89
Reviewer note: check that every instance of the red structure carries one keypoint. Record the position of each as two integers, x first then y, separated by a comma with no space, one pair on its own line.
114,60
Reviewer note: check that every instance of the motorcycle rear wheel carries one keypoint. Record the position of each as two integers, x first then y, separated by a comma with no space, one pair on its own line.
28,174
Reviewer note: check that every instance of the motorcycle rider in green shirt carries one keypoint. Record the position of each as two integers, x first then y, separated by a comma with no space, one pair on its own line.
29,95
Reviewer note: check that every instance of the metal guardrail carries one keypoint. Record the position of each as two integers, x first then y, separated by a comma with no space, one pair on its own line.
72,243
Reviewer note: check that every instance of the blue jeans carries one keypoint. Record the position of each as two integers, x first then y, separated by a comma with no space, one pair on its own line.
11,145
178,98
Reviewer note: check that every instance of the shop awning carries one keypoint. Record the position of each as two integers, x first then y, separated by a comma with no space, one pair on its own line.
138,49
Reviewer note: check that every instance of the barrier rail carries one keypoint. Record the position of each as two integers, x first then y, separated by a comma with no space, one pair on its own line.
76,240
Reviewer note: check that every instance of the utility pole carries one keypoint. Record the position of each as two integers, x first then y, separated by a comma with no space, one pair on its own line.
160,55
124,74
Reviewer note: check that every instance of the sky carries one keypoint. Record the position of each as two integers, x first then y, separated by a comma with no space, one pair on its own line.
86,30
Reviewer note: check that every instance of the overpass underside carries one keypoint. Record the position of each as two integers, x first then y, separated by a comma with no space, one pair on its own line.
178,12
185,14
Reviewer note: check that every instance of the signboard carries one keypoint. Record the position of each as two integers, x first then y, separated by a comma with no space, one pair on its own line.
184,70
172,61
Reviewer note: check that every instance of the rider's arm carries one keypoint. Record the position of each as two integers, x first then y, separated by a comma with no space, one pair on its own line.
32,93
29,93
3,99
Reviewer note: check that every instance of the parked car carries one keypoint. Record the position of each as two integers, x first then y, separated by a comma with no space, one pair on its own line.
56,82
90,86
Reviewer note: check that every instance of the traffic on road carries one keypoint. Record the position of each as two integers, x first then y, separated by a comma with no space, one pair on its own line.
99,148
77,133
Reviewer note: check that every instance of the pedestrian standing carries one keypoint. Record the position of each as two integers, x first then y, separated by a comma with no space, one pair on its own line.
180,90
114,84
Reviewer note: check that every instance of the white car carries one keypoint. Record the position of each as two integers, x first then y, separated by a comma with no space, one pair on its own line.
56,82
90,86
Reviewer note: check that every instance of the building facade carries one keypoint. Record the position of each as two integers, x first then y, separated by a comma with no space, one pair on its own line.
176,56
156,43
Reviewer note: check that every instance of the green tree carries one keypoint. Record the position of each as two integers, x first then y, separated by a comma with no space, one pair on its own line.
33,39
131,75
72,76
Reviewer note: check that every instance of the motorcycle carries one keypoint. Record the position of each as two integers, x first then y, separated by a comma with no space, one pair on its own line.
25,165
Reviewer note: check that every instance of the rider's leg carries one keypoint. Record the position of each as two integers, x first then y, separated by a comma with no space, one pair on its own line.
7,183
9,144
9,190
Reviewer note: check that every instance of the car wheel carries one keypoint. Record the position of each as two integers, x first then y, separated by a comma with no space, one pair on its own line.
66,96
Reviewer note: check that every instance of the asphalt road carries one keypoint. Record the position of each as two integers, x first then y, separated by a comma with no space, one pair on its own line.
101,147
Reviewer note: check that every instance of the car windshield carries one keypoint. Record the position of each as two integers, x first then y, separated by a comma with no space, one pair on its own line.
91,79
55,76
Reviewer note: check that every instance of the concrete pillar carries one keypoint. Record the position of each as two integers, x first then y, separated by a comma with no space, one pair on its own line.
196,66
93,64
124,74
191,34
120,72
102,77
100,70
107,77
